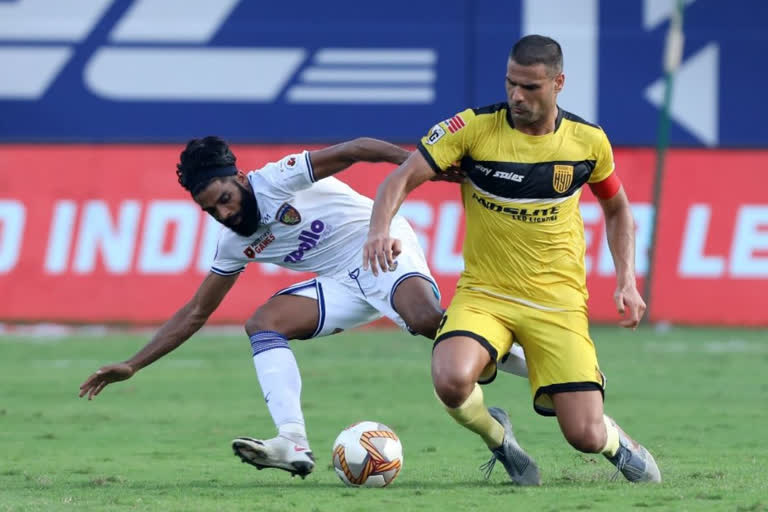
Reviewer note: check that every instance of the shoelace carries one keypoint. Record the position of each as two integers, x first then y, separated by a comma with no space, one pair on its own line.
623,456
488,466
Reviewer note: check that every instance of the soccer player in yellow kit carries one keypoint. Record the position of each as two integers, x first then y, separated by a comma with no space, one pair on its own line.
524,279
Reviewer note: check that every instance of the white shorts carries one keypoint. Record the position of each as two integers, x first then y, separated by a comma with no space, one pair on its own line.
358,298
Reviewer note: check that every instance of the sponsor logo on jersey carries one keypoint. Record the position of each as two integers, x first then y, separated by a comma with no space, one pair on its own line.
287,214
562,178
259,244
511,176
288,164
435,134
524,214
455,123
308,241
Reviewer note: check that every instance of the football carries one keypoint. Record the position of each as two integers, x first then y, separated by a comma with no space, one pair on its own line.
367,454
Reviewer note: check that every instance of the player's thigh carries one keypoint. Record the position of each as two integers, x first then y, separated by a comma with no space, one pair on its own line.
580,416
292,315
337,307
560,354
471,318
408,294
416,301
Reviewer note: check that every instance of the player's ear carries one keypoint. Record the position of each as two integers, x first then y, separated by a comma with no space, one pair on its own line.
241,177
559,82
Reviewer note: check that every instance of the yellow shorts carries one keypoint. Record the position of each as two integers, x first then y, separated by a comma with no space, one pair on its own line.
558,350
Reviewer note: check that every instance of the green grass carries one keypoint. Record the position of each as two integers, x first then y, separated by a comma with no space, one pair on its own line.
697,398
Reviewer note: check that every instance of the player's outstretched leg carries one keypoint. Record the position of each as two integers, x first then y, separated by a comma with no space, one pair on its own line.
630,457
281,384
519,465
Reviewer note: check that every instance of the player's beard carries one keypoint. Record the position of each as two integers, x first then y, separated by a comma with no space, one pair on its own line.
249,218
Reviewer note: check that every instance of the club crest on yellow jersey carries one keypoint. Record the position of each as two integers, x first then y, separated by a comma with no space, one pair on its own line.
562,178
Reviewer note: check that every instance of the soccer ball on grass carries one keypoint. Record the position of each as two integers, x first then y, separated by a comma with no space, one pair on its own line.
367,454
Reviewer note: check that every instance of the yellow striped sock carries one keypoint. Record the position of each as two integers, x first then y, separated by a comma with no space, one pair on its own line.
473,415
612,437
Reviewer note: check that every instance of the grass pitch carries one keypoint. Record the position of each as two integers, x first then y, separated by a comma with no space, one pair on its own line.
698,399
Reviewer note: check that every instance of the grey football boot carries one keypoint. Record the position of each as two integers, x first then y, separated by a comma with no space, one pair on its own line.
519,465
633,461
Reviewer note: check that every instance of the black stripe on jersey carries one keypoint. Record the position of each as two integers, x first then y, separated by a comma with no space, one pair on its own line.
528,180
309,167
429,158
574,118
490,109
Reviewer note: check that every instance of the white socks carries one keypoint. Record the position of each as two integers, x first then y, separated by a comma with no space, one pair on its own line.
280,382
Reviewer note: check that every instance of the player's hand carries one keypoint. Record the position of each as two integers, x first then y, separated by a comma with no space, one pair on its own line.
630,305
379,252
453,174
103,376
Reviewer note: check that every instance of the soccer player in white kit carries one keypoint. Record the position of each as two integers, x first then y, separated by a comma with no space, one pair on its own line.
293,213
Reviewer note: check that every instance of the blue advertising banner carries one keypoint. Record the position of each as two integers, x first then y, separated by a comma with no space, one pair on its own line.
303,71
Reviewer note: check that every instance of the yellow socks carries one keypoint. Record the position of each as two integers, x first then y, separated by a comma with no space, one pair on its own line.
473,414
612,438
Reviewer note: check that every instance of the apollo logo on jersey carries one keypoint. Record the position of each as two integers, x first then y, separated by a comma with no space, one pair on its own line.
309,240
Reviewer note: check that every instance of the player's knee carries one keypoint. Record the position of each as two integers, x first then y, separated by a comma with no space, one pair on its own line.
424,321
453,388
586,437
260,322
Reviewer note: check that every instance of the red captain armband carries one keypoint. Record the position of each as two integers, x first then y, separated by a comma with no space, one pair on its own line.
607,188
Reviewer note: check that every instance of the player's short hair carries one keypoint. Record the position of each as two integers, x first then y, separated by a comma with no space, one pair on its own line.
536,49
199,158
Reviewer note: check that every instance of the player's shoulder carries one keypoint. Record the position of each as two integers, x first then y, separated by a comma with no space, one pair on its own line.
491,110
572,120
476,118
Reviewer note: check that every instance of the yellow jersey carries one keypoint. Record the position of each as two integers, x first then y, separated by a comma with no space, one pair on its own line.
524,233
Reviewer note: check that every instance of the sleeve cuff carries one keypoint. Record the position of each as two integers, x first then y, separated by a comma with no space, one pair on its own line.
226,272
429,159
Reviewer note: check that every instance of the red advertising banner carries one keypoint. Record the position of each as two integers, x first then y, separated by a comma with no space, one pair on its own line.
712,247
105,234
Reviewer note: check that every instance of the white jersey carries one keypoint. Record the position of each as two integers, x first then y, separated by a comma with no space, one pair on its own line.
306,226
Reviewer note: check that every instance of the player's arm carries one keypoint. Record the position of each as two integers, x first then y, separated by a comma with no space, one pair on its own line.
380,249
328,161
181,326
620,231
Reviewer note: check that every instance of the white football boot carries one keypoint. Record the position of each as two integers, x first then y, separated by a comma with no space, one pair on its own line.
279,452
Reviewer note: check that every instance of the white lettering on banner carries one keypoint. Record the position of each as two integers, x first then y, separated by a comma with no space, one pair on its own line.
153,21
50,20
419,214
444,259
60,241
97,232
160,217
592,215
748,239
643,214
208,242
693,261
12,217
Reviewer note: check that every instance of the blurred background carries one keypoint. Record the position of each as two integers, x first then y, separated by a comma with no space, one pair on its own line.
97,98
